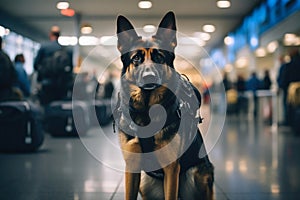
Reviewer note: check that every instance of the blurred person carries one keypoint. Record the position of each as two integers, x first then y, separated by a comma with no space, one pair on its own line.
54,66
292,69
253,84
282,91
291,74
226,82
48,48
106,88
242,102
22,82
240,84
266,83
8,78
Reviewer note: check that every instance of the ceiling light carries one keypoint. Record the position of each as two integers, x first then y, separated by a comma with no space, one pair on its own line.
228,68
67,40
228,40
86,29
202,35
145,4
209,28
62,5
272,46
223,3
260,52
290,39
108,41
68,12
88,41
242,62
149,28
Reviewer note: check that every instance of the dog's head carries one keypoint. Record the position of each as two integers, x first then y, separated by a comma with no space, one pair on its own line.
147,62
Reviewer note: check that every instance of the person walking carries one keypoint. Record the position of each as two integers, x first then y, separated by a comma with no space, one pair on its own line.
22,82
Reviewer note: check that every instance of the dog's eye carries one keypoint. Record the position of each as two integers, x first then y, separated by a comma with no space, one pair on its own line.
158,58
136,59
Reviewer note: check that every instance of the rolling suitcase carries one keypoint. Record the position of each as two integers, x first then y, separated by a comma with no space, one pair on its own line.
66,118
20,126
100,112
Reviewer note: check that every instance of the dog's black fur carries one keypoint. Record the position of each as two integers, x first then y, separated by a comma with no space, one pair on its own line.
149,78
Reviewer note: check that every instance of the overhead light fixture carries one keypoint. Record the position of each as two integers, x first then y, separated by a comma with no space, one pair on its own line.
149,28
209,28
291,39
242,62
62,5
228,40
228,68
145,4
68,12
108,41
88,41
204,36
67,40
223,3
260,52
272,46
86,29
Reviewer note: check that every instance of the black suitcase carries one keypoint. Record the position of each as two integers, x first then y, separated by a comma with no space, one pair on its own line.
20,126
66,118
100,112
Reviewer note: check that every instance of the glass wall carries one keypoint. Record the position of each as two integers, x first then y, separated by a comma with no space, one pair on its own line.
14,44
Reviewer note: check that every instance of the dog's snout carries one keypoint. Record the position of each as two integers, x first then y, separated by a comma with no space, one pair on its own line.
148,68
148,72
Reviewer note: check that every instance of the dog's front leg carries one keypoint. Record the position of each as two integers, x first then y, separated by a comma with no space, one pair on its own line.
132,155
171,181
132,183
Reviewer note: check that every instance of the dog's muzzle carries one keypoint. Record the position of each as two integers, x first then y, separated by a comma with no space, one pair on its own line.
149,80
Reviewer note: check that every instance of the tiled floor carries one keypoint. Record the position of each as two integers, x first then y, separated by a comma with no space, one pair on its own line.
252,161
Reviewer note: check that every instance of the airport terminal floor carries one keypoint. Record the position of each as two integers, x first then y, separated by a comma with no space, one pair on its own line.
252,160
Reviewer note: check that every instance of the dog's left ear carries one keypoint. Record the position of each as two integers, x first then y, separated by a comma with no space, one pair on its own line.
126,34
167,30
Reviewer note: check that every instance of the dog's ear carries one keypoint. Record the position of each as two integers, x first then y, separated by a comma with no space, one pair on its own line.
167,30
126,33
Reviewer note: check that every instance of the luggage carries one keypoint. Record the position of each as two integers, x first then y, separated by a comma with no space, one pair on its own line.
232,96
232,101
100,112
20,126
66,118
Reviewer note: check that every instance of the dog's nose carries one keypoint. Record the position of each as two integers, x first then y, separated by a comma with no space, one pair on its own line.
148,68
148,72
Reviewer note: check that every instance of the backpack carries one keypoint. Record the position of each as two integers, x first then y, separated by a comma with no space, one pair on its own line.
57,65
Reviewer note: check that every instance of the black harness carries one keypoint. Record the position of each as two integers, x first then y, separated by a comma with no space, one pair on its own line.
180,107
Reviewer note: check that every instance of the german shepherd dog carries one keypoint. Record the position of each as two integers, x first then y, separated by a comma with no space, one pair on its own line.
157,115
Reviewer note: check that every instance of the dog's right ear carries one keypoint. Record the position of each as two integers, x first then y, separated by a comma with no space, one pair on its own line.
126,34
